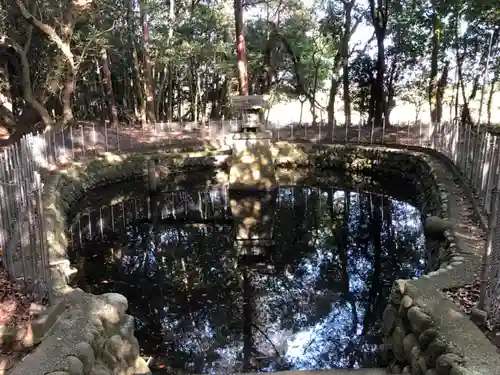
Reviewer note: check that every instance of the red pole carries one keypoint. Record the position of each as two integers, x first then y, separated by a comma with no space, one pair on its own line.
240,48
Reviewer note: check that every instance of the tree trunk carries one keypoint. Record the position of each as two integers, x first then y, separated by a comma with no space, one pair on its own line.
379,83
135,64
334,87
28,117
108,87
65,68
148,80
379,15
433,79
240,48
345,61
494,82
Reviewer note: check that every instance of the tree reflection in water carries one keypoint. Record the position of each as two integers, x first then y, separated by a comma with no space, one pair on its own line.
315,304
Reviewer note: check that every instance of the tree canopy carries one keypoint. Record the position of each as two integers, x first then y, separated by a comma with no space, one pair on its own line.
158,60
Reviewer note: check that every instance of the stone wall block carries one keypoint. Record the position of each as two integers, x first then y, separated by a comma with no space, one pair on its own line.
409,342
134,350
389,318
101,369
433,351
109,314
394,368
97,325
422,365
122,350
85,354
74,365
419,320
398,337
459,370
98,345
117,300
140,367
426,337
445,362
406,304
415,357
398,291
127,327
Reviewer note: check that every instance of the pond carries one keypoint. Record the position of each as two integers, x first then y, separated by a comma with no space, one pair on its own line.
313,299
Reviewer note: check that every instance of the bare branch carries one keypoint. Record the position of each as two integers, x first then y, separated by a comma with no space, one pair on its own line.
89,43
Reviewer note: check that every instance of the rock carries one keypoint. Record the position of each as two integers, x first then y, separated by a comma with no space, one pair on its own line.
459,370
127,327
406,303
406,371
398,335
383,352
433,351
141,367
434,227
426,337
97,324
397,291
109,314
478,316
445,362
120,349
98,345
23,338
75,366
389,317
135,349
101,370
117,300
6,363
395,369
86,355
409,342
422,365
58,373
419,320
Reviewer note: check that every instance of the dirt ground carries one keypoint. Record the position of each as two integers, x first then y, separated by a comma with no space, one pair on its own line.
466,297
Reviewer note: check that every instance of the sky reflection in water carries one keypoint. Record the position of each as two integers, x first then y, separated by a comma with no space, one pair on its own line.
316,300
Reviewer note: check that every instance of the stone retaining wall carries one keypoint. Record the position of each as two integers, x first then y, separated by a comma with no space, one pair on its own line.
415,341
413,344
109,345
365,167
410,169
94,335
412,340
65,188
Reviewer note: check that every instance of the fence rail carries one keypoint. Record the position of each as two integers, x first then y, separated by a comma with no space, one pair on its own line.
474,151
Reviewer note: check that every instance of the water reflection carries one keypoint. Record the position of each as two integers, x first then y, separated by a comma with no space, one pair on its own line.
314,301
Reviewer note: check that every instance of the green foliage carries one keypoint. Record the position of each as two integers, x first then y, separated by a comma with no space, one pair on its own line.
294,50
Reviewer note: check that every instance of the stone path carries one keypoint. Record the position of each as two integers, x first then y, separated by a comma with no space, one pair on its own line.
464,336
469,235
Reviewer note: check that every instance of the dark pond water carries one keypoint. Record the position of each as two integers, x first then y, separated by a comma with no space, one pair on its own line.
312,301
